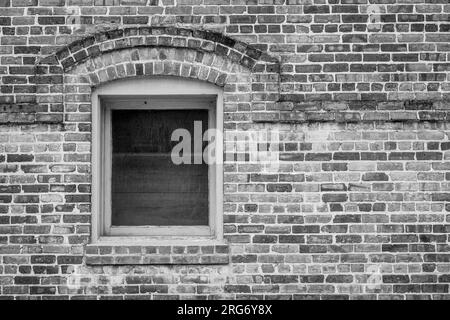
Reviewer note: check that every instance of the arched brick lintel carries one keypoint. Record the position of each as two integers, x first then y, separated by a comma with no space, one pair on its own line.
250,78
145,62
199,40
243,89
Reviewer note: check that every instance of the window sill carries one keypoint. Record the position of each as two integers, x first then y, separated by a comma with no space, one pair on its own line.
163,254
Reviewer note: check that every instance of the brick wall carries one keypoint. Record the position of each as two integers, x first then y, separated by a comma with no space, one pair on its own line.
357,89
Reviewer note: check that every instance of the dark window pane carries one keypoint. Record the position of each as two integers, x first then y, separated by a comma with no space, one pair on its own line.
147,187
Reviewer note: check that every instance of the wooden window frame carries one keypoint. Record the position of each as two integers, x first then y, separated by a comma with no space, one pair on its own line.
161,93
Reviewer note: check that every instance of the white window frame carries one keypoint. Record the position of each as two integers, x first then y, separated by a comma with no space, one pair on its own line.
158,93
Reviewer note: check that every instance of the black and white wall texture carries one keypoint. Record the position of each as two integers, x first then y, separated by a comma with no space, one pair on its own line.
224,149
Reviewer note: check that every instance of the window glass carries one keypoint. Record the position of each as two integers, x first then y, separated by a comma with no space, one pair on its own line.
147,188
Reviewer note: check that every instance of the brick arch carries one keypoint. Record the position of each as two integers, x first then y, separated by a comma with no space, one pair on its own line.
152,61
198,40
125,63
250,77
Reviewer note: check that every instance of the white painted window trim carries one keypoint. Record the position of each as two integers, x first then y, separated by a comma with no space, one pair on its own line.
151,93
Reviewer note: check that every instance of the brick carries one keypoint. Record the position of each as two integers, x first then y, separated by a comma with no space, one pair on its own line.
375,176
244,259
312,279
429,156
440,197
334,197
44,259
279,188
43,290
26,280
349,156
264,239
333,187
69,260
318,157
306,229
396,279
339,279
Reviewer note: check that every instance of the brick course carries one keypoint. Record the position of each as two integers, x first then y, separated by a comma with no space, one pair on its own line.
358,208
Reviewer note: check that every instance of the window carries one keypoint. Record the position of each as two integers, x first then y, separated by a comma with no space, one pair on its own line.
153,175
